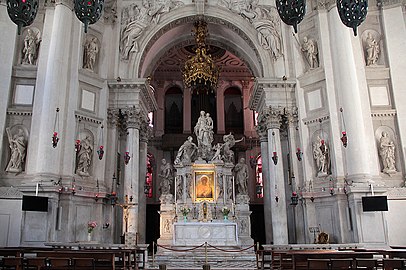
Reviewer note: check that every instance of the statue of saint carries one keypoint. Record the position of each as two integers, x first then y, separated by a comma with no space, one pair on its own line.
18,149
84,157
229,142
241,177
186,152
31,44
309,48
372,50
91,51
166,175
321,156
387,153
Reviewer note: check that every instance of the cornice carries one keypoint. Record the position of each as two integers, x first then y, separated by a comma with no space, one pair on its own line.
19,112
314,120
383,114
87,118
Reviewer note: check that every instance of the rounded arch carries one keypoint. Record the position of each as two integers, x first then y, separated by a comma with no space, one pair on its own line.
224,26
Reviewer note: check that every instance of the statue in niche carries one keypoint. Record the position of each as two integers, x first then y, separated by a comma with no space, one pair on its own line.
387,153
31,46
136,18
230,189
18,148
220,184
229,142
166,175
265,21
321,156
372,50
186,152
90,53
309,48
241,177
204,133
84,157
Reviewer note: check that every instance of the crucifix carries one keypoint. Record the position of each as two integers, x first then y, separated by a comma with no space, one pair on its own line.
126,207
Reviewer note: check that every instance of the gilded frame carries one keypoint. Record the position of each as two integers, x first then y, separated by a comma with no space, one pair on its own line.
204,185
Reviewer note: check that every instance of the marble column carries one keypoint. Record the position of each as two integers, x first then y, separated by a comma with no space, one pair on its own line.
52,92
395,33
350,82
111,148
277,179
263,136
132,169
7,45
142,200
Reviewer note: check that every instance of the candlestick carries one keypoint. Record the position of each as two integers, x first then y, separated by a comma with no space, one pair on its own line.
233,189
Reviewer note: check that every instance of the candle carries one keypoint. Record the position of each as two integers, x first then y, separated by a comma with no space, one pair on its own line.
176,181
36,189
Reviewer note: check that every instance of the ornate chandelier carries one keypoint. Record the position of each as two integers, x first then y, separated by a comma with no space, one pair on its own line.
199,72
23,12
352,12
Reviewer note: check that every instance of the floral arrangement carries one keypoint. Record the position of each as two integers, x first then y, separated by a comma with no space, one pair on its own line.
185,210
91,225
225,211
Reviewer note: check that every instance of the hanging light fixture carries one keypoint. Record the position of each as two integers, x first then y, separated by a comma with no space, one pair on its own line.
55,138
22,12
100,151
199,72
88,11
344,138
352,12
274,154
291,11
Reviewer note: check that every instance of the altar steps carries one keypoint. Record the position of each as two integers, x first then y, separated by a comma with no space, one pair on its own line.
194,260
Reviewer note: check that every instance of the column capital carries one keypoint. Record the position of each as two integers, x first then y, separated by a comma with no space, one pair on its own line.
112,117
134,118
271,117
291,115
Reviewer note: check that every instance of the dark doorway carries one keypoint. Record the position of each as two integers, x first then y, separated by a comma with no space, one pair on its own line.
258,223
152,225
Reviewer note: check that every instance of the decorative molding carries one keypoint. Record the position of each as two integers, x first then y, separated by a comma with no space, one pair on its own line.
396,193
314,120
88,118
10,193
385,113
19,112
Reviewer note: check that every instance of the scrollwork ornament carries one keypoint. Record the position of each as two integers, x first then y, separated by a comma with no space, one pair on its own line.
22,12
88,11
291,11
352,12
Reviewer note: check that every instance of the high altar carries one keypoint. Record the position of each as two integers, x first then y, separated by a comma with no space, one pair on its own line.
205,206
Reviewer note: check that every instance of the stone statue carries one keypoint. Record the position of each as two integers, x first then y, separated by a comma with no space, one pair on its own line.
265,20
220,184
241,177
166,176
31,46
230,189
84,157
91,51
387,153
204,133
229,142
372,50
186,152
134,20
189,181
321,156
309,48
18,149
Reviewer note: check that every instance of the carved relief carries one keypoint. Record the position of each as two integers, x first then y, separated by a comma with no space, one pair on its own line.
265,20
135,19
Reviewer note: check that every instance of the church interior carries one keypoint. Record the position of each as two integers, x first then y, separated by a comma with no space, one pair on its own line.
163,126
